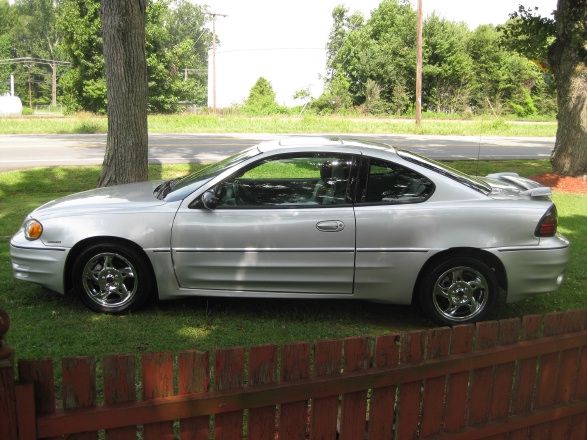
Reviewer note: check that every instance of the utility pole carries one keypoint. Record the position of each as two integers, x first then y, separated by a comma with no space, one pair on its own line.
53,84
419,65
214,15
29,62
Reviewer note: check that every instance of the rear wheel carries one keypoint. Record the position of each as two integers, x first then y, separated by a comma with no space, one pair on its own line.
458,291
112,278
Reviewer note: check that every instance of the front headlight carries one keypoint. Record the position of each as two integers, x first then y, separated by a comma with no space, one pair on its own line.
33,229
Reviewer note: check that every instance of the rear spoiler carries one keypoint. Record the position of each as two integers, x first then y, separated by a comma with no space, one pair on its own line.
530,187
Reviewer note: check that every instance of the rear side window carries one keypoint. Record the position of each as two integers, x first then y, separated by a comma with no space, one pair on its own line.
390,183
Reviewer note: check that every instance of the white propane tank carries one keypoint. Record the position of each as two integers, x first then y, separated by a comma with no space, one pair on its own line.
10,106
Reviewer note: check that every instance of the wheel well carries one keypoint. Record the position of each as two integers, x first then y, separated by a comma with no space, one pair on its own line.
80,246
487,257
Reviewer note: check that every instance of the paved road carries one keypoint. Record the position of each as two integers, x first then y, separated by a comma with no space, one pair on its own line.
25,151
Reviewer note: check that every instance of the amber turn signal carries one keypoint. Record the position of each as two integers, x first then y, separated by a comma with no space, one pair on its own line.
33,229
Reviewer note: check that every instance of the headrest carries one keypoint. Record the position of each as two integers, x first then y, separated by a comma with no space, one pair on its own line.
326,171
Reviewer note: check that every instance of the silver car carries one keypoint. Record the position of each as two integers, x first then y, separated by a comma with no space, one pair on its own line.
303,218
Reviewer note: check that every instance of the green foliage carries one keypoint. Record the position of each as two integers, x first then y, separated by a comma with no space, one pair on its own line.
261,100
463,71
171,46
529,34
84,85
71,30
447,66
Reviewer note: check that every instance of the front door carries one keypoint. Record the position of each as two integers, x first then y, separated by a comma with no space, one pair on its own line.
284,224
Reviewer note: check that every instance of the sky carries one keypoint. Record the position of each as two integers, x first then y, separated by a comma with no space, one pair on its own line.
284,40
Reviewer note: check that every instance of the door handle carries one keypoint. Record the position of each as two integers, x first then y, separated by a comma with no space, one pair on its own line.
330,226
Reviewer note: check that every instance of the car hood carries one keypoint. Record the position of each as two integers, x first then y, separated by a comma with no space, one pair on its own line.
133,196
512,186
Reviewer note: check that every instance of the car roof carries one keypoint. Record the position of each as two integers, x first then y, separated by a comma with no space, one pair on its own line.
353,145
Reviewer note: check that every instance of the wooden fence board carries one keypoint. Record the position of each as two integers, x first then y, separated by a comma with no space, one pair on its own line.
578,429
382,410
79,388
357,357
481,387
455,411
229,370
504,376
193,373
8,414
25,414
157,371
579,423
546,381
39,372
295,366
437,346
324,411
119,387
525,378
262,371
411,352
566,378
509,330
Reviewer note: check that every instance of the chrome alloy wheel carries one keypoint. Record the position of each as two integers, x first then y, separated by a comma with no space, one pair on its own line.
109,279
460,293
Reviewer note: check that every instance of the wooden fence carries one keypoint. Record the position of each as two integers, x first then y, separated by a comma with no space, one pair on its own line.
510,379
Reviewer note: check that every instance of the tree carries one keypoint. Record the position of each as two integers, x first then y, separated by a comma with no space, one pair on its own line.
39,36
568,60
448,67
126,157
176,39
84,84
261,100
560,46
6,24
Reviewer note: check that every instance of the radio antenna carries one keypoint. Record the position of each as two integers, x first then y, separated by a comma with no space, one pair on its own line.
478,155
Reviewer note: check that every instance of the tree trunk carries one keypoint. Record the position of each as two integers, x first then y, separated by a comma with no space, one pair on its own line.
123,31
568,58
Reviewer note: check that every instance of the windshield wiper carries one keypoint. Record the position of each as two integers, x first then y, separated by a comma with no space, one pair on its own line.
164,189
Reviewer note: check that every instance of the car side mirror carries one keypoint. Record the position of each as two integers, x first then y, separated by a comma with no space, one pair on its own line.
209,200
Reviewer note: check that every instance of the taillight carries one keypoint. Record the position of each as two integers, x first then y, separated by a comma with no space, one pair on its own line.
547,224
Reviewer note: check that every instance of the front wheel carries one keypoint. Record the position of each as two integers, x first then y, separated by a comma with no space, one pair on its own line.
112,278
458,291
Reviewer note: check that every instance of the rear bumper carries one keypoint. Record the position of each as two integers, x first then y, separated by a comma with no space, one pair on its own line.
535,269
39,264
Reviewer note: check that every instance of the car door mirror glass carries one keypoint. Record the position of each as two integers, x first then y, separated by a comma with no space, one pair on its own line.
209,200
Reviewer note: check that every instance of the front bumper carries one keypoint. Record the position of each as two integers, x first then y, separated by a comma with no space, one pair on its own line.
37,263
536,269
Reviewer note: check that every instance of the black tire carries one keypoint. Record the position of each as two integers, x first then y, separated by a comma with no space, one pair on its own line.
469,298
112,278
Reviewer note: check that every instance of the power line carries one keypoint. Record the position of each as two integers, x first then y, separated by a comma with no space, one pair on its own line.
270,49
26,60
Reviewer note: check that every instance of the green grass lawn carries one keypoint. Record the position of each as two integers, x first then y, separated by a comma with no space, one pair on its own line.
206,123
46,324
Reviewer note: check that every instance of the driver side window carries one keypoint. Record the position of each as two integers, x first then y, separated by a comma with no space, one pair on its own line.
307,180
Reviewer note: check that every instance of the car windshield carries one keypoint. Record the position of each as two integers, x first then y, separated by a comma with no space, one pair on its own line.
204,174
445,170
